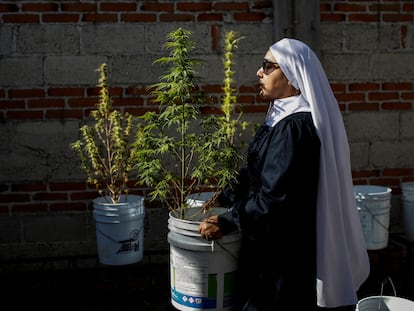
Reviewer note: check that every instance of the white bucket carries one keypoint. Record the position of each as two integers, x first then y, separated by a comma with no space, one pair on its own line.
202,272
407,189
197,199
120,230
385,303
374,204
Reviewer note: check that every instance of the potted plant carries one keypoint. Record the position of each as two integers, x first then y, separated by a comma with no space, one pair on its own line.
105,154
178,153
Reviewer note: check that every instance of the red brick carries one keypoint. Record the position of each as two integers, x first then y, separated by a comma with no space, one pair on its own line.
78,7
157,7
68,207
47,196
23,93
397,18
231,6
67,91
40,7
344,7
332,17
396,106
397,86
21,18
207,17
137,91
382,7
112,18
124,102
60,18
32,208
248,17
364,87
365,173
176,18
347,97
363,18
397,171
45,103
15,104
24,115
83,102
382,95
363,106
14,197
84,195
142,18
118,7
192,6
64,114
262,5
8,8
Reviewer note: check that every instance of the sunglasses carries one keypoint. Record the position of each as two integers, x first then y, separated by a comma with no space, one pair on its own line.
268,67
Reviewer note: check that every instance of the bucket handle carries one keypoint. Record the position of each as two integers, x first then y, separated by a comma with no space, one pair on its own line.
388,279
216,242
375,218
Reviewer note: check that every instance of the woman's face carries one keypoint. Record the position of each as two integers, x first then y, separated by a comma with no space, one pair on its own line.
272,81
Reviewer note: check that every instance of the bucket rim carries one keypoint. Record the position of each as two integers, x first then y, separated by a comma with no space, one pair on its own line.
104,201
386,297
372,190
409,184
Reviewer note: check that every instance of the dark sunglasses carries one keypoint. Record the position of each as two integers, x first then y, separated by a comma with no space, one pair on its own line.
268,67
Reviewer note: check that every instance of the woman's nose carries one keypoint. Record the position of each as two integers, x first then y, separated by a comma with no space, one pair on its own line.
259,72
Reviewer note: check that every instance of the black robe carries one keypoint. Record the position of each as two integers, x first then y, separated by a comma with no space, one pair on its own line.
274,206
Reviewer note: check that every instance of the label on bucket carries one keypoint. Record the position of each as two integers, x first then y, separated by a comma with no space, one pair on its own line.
194,284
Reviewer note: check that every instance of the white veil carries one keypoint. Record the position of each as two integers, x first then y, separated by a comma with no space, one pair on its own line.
342,258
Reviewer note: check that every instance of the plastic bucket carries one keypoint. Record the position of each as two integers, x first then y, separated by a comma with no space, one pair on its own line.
385,303
197,199
120,230
202,272
407,189
374,204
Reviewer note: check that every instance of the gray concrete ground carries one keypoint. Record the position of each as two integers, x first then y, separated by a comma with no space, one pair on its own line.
145,286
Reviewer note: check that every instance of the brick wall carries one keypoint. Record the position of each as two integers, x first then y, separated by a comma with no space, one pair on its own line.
48,55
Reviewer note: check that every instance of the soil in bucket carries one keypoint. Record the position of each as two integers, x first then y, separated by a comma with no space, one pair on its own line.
202,272
120,230
374,204
407,189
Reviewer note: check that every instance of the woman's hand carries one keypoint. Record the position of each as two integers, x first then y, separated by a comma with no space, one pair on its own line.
209,229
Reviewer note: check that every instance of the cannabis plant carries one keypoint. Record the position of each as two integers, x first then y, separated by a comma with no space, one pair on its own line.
104,148
178,151
221,146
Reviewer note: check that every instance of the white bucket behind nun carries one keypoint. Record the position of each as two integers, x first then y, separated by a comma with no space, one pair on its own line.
408,208
385,303
374,204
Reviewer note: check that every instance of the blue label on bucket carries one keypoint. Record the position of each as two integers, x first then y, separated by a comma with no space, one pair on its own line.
128,247
193,301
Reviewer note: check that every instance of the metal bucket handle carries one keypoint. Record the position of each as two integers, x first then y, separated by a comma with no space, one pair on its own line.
375,218
388,279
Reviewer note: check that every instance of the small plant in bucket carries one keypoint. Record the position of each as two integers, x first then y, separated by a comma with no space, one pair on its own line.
104,148
105,153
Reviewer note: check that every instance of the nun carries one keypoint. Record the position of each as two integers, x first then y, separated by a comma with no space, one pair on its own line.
302,246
